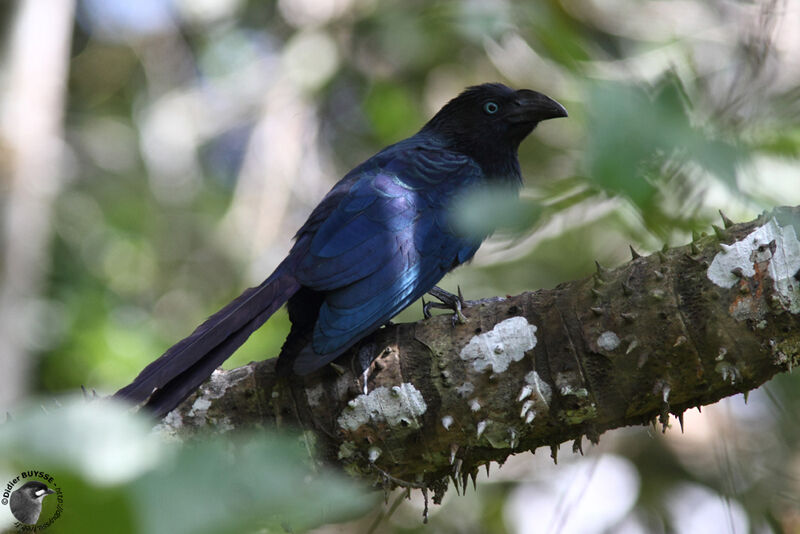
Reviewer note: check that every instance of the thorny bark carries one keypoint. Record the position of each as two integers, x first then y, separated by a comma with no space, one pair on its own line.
679,328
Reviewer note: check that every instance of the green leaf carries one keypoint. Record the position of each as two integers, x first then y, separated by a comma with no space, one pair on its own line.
232,485
117,475
636,136
785,142
482,211
98,441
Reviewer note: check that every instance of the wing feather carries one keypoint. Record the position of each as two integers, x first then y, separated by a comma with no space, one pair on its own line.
385,244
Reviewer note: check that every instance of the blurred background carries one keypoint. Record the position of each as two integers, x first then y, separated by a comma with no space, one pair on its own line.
157,156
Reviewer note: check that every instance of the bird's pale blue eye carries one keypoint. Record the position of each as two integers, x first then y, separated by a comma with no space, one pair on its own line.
491,107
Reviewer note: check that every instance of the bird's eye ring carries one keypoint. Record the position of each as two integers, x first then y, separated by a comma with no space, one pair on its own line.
491,107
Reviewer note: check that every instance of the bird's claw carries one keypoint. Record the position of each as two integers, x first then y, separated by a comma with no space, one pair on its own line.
458,317
449,301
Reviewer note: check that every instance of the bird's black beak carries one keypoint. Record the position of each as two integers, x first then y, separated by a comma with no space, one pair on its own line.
530,106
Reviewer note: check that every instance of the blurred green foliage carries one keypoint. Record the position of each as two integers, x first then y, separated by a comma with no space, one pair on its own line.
648,140
117,475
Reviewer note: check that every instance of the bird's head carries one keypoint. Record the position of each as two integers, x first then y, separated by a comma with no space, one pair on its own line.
35,490
489,121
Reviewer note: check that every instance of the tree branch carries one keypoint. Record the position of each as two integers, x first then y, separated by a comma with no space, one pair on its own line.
680,328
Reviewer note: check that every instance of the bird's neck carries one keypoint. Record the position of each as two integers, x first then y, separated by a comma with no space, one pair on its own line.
497,159
503,170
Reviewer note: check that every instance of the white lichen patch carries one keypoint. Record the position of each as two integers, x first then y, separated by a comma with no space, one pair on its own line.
373,454
200,407
220,381
314,395
173,419
223,424
346,450
399,406
170,425
779,357
505,343
465,389
608,340
569,389
772,246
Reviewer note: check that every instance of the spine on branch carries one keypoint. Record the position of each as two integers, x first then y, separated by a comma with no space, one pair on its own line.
678,328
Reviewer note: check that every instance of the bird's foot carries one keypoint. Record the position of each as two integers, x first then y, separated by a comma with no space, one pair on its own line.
449,301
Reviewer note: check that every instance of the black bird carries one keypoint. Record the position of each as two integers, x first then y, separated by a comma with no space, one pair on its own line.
26,502
378,241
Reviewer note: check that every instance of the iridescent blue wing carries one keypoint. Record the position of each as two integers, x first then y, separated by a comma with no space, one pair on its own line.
385,244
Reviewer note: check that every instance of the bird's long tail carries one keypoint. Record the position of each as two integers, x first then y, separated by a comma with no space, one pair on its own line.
179,371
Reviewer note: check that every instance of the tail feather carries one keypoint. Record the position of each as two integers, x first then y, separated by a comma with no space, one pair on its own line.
176,390
186,364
